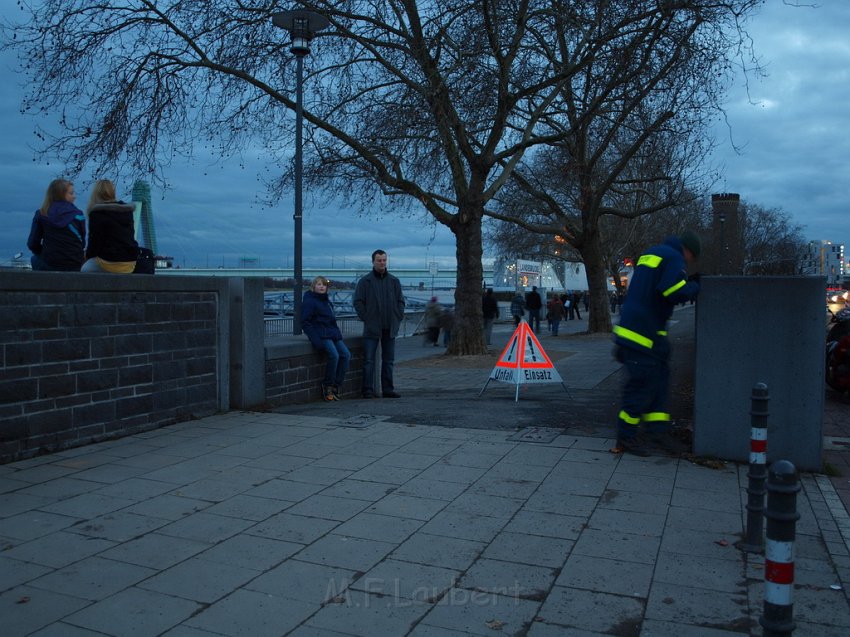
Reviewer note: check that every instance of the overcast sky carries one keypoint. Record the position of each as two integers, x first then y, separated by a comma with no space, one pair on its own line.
793,129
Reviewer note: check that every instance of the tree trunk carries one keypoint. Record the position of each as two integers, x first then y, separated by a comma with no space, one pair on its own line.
468,329
599,317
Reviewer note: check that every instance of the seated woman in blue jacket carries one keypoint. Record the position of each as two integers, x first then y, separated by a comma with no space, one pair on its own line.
319,324
58,230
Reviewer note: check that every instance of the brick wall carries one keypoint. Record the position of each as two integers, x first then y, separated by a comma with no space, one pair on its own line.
91,357
294,371
85,358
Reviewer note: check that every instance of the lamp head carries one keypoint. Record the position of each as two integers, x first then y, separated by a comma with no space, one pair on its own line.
302,26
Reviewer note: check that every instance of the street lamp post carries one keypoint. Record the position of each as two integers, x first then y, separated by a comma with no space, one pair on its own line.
302,26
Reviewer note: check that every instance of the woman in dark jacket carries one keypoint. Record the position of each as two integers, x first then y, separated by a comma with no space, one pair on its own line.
319,324
58,230
112,243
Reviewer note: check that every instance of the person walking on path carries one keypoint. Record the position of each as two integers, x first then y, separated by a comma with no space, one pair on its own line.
490,311
555,313
318,321
58,230
447,323
112,243
565,301
659,282
533,303
379,303
574,301
433,312
518,308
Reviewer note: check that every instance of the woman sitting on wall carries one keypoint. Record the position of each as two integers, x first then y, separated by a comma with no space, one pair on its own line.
319,324
112,243
58,230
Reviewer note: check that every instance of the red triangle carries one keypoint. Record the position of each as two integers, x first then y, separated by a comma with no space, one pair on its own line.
524,351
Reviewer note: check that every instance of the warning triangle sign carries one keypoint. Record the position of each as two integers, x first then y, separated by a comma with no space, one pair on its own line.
524,361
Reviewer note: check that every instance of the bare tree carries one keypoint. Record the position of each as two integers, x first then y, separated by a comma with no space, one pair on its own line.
773,244
633,134
434,103
622,239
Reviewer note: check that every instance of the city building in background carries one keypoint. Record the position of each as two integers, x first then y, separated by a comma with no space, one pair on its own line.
520,275
825,258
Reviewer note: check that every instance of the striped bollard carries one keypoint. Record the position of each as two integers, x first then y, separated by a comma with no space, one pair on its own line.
777,618
754,542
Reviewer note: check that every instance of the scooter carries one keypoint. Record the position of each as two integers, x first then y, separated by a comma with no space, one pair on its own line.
838,351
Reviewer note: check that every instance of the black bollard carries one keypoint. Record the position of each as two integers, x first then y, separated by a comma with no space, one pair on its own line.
777,618
754,542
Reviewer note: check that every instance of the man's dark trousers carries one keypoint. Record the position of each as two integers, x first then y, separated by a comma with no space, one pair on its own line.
644,394
370,346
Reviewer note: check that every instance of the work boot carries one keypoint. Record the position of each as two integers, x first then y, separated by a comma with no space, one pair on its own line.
634,446
327,393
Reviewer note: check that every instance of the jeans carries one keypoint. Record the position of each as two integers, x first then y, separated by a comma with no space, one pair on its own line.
338,360
370,346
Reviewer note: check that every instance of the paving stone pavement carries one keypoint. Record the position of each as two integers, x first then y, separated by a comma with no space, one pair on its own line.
424,516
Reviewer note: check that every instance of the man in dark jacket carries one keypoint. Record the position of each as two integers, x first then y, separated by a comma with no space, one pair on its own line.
379,303
658,283
533,303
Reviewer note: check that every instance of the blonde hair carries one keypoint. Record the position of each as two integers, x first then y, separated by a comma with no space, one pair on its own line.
56,191
319,279
103,191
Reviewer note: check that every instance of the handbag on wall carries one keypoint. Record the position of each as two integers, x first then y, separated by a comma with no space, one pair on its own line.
145,263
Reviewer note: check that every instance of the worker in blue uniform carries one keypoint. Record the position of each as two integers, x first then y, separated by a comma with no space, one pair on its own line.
658,283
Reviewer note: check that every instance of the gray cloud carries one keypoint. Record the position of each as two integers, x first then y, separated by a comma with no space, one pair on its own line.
792,127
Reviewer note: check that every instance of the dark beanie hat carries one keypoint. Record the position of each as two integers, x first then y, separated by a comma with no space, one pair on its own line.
691,241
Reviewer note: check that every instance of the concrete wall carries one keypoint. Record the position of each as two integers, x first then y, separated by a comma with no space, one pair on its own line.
760,329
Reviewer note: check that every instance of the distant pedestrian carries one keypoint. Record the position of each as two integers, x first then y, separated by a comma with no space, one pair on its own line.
659,282
319,324
433,312
585,297
555,313
518,308
447,323
490,311
58,231
379,303
533,303
567,302
574,301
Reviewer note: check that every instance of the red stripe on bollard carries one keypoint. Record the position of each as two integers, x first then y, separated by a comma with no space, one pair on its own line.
779,573
758,446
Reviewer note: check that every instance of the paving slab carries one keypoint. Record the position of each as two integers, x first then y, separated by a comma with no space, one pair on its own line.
411,517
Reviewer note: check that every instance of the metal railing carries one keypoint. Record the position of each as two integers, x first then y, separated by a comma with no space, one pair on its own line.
348,325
